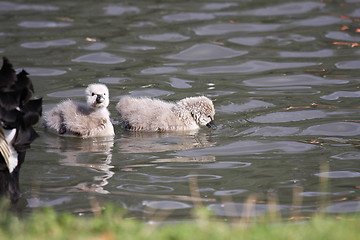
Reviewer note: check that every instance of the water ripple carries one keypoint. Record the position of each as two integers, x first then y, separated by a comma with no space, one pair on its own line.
52,43
36,202
218,6
113,80
317,194
252,104
271,131
313,54
166,205
206,51
338,174
292,80
289,39
355,64
343,207
347,156
150,93
321,21
334,129
8,6
248,41
240,209
180,83
95,46
250,67
67,93
298,90
343,36
341,94
223,28
286,9
145,188
116,10
159,70
100,58
188,16
142,177
216,165
229,192
165,37
44,71
249,147
355,13
43,24
282,117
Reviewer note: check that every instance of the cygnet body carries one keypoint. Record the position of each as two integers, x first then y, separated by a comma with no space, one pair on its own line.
86,120
147,114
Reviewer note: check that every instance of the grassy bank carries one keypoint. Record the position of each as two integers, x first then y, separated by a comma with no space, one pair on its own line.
47,224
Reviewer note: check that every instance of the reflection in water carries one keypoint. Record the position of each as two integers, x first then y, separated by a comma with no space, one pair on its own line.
143,142
92,153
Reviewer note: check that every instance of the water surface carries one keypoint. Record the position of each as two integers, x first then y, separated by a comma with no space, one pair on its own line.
284,78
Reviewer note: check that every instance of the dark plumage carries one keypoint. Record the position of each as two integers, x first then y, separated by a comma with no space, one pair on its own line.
17,116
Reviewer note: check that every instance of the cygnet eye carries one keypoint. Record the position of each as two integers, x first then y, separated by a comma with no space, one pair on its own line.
92,94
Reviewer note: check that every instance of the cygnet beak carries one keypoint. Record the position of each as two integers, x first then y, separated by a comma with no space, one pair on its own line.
99,99
211,125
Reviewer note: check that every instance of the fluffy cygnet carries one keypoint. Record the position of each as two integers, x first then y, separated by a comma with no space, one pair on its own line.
146,114
86,120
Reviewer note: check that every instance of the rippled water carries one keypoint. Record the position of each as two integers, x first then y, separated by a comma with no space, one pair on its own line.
284,77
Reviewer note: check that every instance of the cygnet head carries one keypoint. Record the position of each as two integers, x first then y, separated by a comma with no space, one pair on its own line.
97,95
201,109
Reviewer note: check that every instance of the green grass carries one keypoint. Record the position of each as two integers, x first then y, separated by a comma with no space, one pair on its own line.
110,224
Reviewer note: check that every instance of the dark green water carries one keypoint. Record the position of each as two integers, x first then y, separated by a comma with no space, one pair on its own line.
284,77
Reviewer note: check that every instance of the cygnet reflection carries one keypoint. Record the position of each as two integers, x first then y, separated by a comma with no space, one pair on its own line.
92,153
146,142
